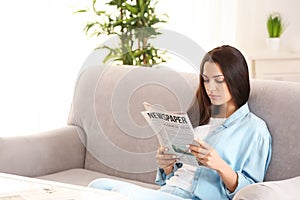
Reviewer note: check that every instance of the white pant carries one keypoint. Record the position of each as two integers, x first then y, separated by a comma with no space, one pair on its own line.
135,192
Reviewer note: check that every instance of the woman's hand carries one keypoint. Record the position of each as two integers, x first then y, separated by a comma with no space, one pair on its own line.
206,155
165,160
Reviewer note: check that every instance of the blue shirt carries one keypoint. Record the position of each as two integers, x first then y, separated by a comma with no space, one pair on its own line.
244,143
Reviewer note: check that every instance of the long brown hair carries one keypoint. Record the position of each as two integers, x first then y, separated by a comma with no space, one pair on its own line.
235,70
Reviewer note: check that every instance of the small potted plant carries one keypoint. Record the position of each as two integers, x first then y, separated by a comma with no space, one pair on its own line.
275,27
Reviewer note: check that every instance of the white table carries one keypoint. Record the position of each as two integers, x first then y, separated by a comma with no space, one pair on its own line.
14,187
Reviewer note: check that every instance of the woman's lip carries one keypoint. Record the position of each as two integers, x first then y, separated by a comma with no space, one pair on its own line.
214,96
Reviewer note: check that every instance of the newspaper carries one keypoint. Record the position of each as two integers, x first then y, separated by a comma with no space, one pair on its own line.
173,130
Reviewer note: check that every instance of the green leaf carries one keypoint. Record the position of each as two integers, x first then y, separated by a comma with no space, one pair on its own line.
275,25
88,27
131,8
81,11
117,3
99,12
270,26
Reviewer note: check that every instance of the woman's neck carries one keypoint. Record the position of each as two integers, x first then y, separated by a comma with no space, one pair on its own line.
223,111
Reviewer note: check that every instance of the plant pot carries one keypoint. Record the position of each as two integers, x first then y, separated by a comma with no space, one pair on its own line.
273,43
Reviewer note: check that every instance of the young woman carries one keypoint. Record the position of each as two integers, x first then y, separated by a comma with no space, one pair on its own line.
235,153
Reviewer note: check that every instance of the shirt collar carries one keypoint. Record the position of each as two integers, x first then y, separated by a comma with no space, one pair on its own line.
238,114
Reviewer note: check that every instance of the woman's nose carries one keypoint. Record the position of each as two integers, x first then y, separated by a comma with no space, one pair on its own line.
212,85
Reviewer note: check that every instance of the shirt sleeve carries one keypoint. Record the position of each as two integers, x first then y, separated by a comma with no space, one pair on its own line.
161,177
256,165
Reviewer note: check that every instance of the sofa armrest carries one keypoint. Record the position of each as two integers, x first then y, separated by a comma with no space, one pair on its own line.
286,189
43,153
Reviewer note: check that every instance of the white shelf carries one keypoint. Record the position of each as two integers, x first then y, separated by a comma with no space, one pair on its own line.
269,55
284,66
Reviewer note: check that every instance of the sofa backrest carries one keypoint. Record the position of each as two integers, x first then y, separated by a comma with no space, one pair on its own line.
277,102
107,105
108,101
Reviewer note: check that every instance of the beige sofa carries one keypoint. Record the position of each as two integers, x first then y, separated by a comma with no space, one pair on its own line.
106,135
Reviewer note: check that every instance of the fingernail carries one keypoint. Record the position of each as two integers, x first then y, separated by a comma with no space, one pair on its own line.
166,149
188,146
190,151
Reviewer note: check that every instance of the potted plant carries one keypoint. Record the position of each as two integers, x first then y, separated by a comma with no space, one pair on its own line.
134,22
275,27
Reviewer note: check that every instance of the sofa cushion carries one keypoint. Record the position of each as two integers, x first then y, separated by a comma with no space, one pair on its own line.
83,177
286,189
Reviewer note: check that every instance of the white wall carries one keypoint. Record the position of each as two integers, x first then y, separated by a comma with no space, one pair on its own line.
210,23
42,47
251,22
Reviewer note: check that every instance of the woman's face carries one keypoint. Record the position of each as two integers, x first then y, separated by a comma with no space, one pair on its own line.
215,85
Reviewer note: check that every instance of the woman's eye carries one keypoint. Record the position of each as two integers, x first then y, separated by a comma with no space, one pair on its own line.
205,80
219,80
